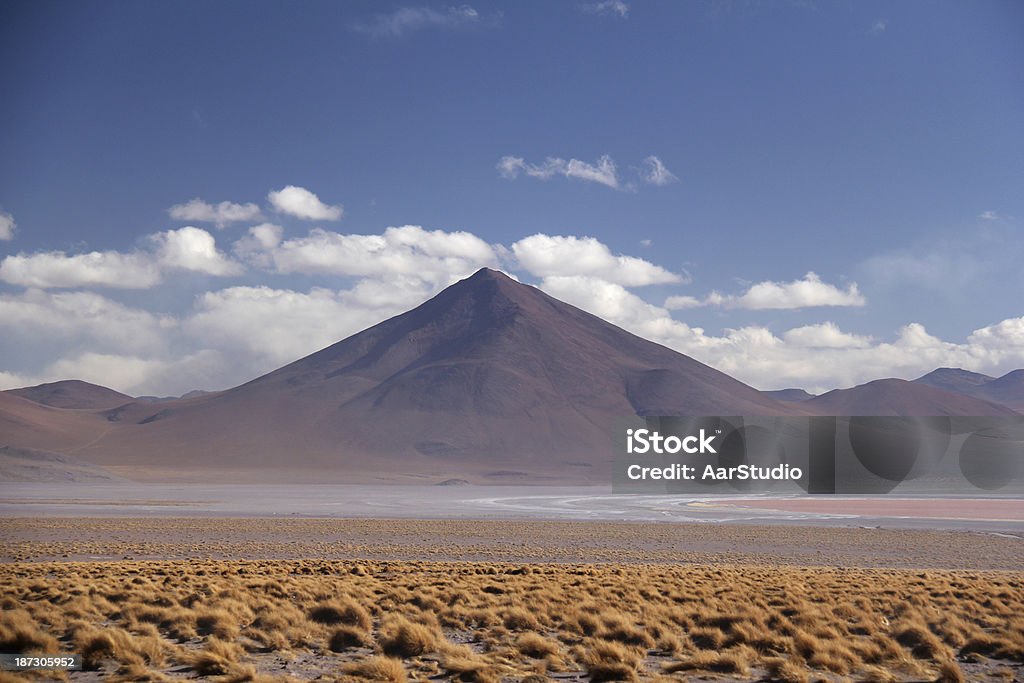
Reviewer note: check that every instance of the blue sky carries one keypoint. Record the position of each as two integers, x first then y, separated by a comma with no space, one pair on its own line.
876,145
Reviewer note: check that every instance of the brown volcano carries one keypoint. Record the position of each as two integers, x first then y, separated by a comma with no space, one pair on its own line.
490,380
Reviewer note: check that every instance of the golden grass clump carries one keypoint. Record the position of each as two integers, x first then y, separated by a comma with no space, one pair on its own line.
536,646
378,669
347,637
347,612
404,638
611,661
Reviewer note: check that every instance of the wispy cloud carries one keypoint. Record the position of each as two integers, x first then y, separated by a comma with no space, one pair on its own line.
409,19
221,214
879,27
602,172
607,8
7,226
989,216
807,292
656,173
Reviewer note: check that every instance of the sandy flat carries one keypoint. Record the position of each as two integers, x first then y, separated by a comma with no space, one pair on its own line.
69,539
961,509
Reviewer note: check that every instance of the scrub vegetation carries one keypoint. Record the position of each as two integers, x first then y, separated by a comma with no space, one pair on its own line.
278,620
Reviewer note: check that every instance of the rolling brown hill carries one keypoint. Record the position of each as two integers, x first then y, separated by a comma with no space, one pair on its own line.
73,393
27,424
954,379
900,397
491,380
1007,390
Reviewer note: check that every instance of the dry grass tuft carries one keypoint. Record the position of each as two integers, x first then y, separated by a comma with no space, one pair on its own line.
536,646
348,637
348,612
611,661
378,669
404,638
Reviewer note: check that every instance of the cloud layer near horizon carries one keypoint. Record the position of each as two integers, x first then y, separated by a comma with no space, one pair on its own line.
59,327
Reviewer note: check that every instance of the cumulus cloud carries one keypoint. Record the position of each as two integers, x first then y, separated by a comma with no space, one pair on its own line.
556,255
607,7
431,255
196,210
825,335
602,172
7,226
188,249
93,269
192,249
804,293
655,173
76,320
680,302
816,357
301,203
408,19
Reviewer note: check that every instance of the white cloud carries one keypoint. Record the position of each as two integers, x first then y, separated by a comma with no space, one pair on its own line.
607,7
430,255
188,248
76,320
806,293
301,203
680,302
655,173
989,216
825,335
556,255
94,269
816,357
603,172
407,19
7,226
193,249
196,210
879,27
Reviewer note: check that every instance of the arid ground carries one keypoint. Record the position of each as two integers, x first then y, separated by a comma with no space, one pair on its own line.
302,599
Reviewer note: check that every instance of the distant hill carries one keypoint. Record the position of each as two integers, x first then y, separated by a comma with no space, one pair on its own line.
954,379
74,394
900,397
1007,390
794,395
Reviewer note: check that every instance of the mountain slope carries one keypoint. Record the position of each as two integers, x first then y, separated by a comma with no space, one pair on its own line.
794,395
1007,390
954,379
491,378
73,393
899,397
